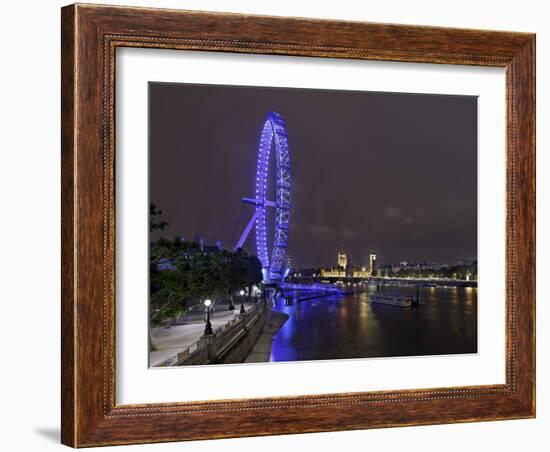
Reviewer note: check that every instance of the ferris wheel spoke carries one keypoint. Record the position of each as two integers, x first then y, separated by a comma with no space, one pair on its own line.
274,135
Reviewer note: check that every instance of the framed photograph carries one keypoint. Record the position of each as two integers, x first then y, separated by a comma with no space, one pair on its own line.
282,225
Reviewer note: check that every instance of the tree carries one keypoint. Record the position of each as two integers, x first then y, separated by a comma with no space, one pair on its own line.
167,295
181,274
166,288
231,278
165,291
253,272
154,218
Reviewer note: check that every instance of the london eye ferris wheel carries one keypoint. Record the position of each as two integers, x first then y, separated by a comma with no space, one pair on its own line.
273,136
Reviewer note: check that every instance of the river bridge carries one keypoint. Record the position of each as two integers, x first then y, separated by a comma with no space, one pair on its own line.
305,282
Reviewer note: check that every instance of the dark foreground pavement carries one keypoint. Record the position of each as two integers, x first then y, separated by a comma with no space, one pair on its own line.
261,351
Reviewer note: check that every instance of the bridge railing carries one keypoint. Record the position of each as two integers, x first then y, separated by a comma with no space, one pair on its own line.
315,286
226,334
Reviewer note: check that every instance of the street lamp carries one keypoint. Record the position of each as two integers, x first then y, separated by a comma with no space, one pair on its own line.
255,294
208,327
241,293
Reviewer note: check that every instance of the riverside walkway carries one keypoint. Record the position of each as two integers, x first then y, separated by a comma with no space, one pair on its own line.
188,329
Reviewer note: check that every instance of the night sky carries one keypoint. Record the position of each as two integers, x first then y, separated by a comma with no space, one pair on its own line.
392,172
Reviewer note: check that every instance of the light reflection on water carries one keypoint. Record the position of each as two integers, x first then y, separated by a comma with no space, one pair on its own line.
349,326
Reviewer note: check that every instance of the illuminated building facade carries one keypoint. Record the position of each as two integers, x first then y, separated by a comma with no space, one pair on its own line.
362,272
340,271
333,273
345,270
372,262
342,260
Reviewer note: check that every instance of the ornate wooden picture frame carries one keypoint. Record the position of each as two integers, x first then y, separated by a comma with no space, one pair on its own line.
90,37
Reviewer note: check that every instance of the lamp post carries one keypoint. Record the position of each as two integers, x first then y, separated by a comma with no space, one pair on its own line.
208,327
241,293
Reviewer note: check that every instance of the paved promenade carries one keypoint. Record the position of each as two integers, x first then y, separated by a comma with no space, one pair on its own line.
170,340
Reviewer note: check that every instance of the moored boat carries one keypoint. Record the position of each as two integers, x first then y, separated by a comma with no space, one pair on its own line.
393,299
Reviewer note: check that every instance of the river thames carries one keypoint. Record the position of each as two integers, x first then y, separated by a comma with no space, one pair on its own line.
350,326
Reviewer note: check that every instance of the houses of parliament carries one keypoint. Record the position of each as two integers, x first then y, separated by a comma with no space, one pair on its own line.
345,270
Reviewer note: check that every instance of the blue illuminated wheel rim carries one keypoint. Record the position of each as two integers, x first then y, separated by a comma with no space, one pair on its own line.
274,135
